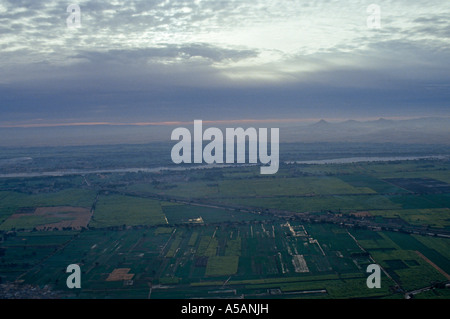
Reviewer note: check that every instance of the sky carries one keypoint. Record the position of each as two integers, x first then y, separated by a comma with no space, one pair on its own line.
163,61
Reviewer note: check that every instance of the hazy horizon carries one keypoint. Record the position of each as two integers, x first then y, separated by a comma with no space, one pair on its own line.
421,130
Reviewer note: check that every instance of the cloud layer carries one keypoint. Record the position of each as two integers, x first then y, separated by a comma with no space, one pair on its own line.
180,60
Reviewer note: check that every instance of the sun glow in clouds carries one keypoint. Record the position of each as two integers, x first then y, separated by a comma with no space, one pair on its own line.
277,30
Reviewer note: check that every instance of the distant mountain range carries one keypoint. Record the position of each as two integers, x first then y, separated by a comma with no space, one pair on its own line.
430,130
420,131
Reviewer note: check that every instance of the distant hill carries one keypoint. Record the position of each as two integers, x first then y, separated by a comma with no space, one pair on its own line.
322,123
423,130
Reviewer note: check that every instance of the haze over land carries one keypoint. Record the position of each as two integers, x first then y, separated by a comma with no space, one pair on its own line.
420,131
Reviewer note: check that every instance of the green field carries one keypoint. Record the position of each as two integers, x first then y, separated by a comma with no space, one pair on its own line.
118,210
178,214
221,266
370,182
12,202
247,255
317,203
218,233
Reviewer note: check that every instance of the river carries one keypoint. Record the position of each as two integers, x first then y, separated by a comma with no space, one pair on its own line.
182,168
348,160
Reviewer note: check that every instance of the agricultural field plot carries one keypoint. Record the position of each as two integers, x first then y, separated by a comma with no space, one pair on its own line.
18,203
20,252
408,242
402,256
369,182
374,240
299,263
221,266
260,251
49,218
421,201
317,203
185,188
441,245
407,169
118,210
99,254
287,187
438,177
236,186
194,214
434,294
420,185
436,217
270,260
120,274
408,269
33,185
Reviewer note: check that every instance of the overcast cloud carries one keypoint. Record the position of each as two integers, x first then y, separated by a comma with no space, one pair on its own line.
182,60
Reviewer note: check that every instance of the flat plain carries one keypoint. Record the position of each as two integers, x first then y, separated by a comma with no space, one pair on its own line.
308,232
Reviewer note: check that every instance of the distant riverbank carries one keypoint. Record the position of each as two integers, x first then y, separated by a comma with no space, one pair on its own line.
349,160
182,168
